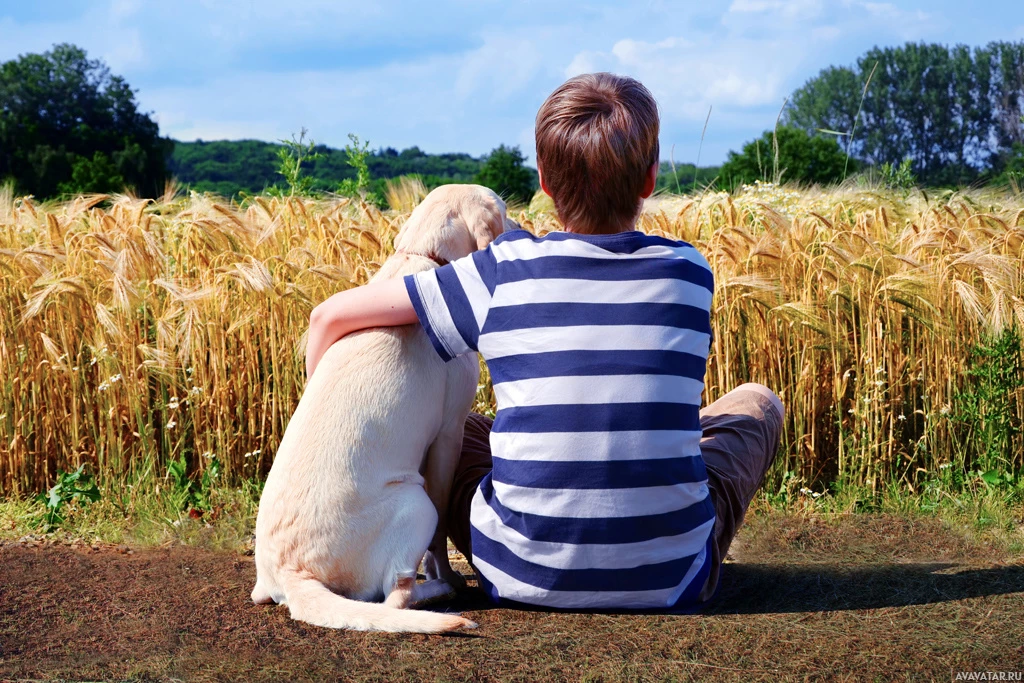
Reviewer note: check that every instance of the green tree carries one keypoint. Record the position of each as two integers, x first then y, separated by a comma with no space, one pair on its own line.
98,174
802,158
503,171
684,178
953,111
68,125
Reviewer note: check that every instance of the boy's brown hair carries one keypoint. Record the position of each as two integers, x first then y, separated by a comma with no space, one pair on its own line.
597,135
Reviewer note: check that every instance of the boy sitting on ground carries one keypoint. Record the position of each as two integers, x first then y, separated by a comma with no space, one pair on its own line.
600,484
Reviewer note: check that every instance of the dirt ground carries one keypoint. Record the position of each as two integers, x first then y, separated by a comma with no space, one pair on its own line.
854,598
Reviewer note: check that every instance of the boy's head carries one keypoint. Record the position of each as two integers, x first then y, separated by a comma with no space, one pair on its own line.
597,138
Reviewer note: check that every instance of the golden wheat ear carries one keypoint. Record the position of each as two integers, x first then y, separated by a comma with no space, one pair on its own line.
860,307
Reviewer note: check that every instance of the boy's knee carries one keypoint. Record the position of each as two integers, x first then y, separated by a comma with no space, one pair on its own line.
767,393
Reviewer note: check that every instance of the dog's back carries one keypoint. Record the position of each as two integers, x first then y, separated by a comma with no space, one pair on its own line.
344,507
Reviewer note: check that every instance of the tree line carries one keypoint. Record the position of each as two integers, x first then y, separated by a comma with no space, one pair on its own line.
229,167
941,116
920,114
955,112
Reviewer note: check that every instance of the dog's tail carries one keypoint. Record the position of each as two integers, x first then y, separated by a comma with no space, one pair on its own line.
312,602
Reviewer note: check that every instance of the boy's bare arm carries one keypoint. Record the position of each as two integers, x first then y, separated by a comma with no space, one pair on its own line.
378,304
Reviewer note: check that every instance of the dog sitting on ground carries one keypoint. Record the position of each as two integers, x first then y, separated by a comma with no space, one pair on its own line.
359,486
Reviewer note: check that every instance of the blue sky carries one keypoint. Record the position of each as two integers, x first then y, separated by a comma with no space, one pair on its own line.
468,75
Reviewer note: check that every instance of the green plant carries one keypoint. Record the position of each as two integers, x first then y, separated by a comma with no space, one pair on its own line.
899,177
76,487
988,410
188,494
356,152
291,156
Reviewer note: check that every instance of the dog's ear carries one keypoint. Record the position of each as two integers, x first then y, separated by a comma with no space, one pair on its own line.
486,220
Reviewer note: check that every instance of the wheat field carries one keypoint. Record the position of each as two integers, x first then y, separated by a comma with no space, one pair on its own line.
136,332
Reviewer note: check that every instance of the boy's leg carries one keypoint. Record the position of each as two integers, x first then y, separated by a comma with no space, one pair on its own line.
741,437
474,464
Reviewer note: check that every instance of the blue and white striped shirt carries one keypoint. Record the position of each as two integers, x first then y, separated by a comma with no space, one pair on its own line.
597,347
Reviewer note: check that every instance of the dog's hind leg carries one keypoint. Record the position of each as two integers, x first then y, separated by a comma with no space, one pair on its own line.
414,526
401,596
442,459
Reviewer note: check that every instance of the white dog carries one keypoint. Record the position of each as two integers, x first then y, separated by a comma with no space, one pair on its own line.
344,511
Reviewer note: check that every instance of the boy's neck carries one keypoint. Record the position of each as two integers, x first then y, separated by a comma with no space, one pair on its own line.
607,231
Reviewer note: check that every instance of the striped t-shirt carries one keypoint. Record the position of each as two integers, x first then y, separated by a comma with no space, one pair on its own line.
597,347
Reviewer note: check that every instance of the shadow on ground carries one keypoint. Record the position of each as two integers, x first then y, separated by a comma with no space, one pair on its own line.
772,589
787,588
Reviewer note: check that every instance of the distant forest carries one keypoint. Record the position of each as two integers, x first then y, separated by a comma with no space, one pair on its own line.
228,167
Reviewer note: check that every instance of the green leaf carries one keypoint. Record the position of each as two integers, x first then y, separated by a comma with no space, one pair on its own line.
992,477
56,498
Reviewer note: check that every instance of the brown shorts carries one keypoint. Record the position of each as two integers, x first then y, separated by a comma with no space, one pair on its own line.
741,438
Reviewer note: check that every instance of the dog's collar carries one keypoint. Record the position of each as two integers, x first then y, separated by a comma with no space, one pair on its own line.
430,255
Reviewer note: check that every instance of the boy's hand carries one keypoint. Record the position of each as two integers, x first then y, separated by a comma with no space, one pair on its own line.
378,304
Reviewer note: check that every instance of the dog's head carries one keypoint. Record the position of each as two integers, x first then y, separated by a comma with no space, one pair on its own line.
454,221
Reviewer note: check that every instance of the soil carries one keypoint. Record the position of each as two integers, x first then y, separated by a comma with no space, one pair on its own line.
853,598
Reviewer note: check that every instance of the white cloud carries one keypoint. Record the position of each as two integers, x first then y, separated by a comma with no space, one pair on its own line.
121,9
687,77
908,24
826,33
790,9
584,62
500,69
126,53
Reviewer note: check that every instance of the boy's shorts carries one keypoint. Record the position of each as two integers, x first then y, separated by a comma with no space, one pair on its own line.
740,441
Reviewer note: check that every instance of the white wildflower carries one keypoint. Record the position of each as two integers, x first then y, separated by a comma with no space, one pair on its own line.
945,410
172,424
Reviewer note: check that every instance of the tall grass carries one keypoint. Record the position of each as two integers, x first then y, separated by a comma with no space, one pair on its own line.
133,333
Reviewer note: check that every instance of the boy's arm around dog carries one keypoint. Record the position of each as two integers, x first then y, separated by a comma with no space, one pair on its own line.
379,304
